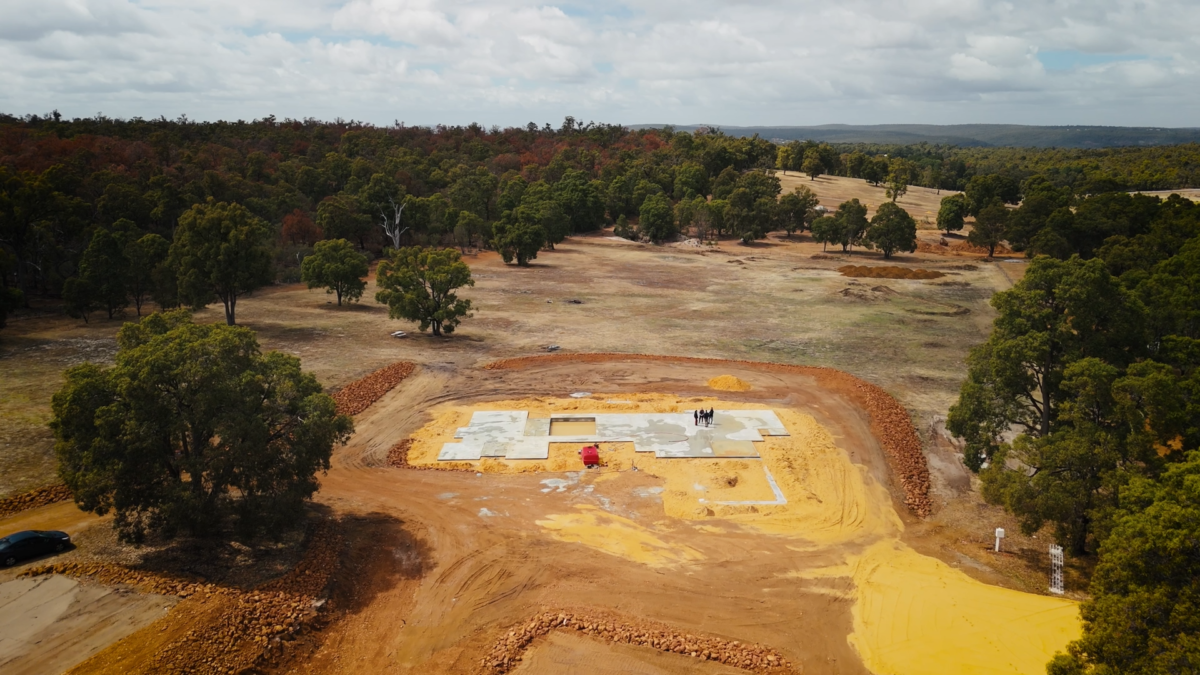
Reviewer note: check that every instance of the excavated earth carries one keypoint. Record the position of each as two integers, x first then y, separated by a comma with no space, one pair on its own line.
459,571
482,582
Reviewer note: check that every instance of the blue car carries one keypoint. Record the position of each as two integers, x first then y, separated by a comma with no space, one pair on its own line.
30,544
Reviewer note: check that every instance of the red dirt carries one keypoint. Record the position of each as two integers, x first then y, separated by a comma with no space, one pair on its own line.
608,626
357,396
887,272
889,420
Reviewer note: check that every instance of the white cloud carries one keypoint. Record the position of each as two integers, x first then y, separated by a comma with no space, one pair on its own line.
510,61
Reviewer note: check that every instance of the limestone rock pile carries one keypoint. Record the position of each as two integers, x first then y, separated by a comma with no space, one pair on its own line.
507,653
42,496
361,393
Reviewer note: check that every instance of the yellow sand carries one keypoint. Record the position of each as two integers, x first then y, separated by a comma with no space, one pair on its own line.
912,614
728,383
618,536
915,615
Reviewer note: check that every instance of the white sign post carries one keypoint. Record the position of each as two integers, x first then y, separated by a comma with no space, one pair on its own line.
999,536
1056,567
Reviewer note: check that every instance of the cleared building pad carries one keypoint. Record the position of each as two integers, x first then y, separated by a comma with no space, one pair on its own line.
512,435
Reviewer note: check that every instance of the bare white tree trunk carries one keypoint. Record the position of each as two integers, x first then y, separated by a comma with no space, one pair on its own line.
391,224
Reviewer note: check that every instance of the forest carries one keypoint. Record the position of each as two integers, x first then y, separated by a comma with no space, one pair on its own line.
96,193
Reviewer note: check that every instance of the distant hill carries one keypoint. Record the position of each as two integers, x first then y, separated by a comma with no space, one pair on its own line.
967,135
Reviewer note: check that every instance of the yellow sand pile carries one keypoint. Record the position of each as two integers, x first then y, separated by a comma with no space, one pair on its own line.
728,383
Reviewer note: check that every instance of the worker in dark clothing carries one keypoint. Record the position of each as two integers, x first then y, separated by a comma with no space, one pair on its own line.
696,417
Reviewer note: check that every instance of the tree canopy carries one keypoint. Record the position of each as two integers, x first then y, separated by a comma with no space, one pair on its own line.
192,430
336,267
419,284
891,230
219,253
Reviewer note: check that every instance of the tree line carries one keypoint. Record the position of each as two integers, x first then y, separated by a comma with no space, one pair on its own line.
1082,412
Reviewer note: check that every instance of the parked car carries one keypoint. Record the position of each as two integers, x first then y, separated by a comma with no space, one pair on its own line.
30,544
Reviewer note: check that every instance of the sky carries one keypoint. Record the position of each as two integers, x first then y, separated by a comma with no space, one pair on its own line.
509,62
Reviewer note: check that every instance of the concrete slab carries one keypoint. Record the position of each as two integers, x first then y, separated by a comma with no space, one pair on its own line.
528,448
459,452
734,449
537,426
513,435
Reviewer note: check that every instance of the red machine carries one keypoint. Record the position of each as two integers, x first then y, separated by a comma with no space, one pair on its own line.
590,456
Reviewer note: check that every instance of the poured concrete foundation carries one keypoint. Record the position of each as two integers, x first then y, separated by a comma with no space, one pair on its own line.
514,435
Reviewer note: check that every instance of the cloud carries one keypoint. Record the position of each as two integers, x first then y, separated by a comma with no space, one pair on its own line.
512,61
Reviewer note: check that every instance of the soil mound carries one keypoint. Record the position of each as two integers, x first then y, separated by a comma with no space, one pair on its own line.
887,272
361,393
728,383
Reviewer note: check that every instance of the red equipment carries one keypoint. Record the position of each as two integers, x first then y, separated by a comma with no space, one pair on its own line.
590,456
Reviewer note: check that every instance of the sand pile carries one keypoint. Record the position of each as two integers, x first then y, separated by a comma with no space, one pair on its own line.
728,383
887,272
249,625
889,420
51,494
361,393
506,654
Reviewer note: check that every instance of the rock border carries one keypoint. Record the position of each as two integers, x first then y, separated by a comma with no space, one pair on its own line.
358,395
510,649
38,497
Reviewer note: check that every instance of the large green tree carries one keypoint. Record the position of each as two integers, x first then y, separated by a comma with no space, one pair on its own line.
1142,616
103,278
990,228
220,252
951,213
336,267
852,215
1059,312
891,230
193,429
145,254
419,284
657,221
796,209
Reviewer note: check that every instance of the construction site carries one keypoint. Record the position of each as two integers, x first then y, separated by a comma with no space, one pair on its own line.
510,511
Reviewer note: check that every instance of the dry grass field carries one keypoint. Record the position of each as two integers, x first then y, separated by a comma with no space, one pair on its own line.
920,202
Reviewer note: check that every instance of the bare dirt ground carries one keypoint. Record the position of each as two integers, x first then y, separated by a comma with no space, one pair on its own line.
431,582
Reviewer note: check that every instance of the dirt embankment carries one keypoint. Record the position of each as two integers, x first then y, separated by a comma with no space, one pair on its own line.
361,393
237,629
43,496
887,272
889,420
507,652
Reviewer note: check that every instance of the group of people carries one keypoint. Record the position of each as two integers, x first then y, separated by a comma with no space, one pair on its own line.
704,417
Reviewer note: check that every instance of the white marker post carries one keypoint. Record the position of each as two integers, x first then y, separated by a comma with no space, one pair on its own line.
1056,569
999,536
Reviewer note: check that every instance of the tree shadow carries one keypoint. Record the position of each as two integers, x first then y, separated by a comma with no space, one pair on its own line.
379,552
